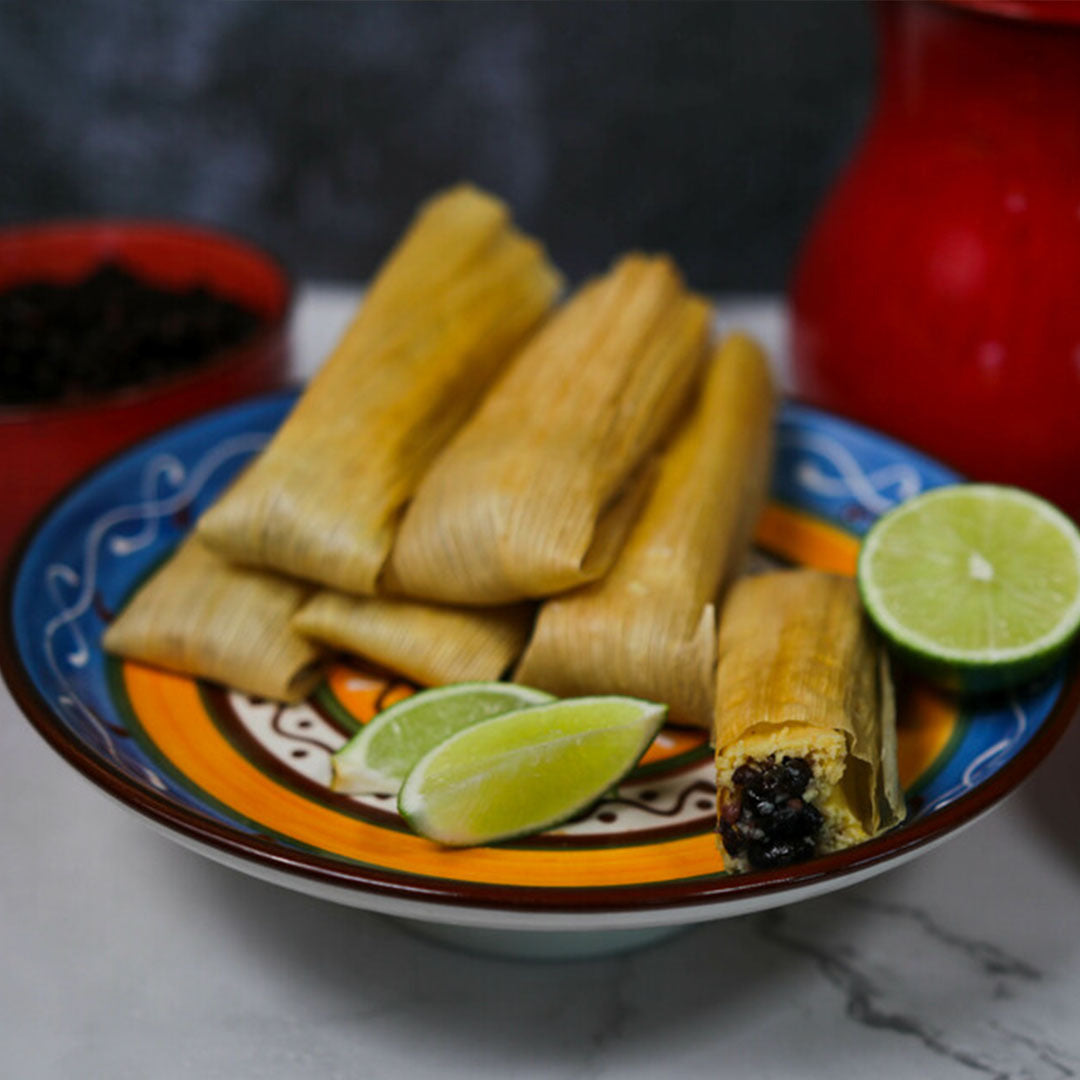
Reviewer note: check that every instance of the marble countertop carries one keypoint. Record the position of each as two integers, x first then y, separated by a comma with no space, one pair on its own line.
124,955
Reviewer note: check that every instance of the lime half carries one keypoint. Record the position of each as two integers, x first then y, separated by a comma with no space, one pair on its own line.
977,585
528,770
377,759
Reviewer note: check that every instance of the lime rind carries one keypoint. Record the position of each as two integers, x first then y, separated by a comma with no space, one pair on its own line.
445,823
985,666
354,772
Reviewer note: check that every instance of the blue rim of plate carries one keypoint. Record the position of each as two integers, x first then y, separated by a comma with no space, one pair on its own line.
816,464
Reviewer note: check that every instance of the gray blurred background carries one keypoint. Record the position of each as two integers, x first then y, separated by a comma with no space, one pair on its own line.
710,130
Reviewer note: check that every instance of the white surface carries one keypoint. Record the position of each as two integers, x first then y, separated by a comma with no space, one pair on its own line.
124,955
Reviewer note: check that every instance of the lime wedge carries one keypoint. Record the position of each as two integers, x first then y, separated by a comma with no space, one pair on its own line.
528,770
976,585
377,759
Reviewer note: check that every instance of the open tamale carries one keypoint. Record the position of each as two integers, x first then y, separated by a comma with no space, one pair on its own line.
537,491
429,643
648,628
805,721
199,615
460,293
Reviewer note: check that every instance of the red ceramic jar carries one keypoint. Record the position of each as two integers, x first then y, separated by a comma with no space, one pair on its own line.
42,447
938,294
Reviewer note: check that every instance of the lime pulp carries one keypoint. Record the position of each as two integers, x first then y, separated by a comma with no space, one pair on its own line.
378,758
977,585
528,770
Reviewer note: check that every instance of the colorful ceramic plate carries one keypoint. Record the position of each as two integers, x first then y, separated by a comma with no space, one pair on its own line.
245,781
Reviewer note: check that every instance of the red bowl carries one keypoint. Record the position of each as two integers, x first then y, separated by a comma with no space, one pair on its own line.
42,447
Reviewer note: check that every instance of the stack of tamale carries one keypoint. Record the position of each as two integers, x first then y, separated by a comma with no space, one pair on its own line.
461,458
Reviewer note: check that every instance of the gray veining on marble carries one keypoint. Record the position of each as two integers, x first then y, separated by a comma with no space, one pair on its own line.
891,981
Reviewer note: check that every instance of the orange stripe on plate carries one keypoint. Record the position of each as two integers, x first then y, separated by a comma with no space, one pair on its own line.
926,724
806,540
173,716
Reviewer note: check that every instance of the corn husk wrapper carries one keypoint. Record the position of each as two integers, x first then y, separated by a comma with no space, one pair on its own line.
462,290
537,492
431,644
199,615
648,628
801,674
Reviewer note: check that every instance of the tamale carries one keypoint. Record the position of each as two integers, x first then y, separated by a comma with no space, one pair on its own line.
431,644
805,721
648,628
456,298
199,615
537,491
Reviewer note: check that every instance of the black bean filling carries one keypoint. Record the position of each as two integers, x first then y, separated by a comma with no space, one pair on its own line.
767,820
107,331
